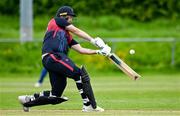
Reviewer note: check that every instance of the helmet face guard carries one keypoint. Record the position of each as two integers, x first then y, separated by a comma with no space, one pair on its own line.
64,11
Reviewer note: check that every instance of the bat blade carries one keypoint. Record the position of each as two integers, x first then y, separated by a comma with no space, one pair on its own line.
124,67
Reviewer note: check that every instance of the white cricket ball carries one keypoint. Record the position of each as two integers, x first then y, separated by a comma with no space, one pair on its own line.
132,51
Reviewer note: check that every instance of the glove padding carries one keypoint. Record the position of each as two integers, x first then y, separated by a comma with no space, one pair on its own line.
98,42
105,51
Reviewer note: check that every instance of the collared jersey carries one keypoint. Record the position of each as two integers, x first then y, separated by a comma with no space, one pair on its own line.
57,39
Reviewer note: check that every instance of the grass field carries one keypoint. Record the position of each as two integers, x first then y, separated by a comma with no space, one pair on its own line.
104,26
154,94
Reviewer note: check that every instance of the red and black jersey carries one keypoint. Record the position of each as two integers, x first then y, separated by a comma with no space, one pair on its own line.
57,39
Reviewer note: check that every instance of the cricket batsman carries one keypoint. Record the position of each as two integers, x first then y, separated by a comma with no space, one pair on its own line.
56,44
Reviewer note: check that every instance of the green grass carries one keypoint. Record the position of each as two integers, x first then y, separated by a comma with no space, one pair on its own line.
103,26
153,94
114,26
9,27
79,113
26,58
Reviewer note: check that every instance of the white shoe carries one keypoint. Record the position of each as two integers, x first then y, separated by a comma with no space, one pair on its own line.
37,84
65,98
91,109
24,99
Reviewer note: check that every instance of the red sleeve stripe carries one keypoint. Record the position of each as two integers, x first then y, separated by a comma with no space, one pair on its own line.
53,26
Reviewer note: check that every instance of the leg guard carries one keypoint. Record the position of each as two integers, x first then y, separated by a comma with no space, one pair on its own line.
43,93
87,87
43,100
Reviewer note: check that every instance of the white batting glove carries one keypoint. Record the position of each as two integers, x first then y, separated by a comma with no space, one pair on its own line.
105,51
98,42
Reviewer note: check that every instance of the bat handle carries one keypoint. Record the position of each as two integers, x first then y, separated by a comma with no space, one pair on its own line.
110,55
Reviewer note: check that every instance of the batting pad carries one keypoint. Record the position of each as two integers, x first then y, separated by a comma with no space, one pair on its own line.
43,100
87,87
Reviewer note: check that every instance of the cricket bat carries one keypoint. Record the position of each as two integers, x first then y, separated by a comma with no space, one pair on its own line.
123,66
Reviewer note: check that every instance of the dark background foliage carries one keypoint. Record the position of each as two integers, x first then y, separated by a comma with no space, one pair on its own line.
142,10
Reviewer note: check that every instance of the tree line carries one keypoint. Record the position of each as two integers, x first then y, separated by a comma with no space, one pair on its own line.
142,10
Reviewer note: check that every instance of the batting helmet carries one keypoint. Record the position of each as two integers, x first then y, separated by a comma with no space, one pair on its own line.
65,10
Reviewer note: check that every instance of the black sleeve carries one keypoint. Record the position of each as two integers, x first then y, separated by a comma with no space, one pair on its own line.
61,22
73,42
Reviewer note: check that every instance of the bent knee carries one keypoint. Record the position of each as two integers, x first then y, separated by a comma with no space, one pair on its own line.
76,74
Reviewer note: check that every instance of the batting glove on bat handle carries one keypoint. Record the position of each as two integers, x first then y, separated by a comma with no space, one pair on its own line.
106,51
98,42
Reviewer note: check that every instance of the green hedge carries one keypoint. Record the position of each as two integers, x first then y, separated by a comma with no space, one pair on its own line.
142,10
26,58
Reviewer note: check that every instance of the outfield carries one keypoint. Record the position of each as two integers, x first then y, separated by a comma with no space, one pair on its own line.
154,94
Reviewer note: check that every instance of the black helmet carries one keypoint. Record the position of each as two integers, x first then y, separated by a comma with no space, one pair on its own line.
65,10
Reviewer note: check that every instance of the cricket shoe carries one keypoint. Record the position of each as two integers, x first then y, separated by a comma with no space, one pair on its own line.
91,109
37,84
64,98
24,99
